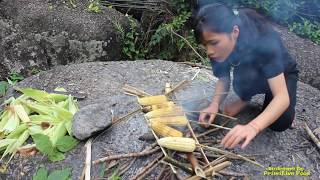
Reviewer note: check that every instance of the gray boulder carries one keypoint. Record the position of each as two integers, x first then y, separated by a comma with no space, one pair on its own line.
90,120
37,35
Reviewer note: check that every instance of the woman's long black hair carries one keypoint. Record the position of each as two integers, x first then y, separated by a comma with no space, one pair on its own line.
219,18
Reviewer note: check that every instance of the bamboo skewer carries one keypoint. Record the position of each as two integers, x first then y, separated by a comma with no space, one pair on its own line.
88,160
230,154
177,87
219,114
213,125
312,136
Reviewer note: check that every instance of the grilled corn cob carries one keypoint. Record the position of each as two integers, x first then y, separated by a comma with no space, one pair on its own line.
174,120
163,105
178,143
164,130
152,100
165,112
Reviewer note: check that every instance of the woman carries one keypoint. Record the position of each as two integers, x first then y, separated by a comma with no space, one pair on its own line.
245,42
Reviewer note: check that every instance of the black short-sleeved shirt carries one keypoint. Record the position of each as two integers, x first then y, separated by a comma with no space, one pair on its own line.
255,64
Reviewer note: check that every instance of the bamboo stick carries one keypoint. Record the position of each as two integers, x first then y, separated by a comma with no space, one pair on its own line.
185,167
88,160
231,154
312,136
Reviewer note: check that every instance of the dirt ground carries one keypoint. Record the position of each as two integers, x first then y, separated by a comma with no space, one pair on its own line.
102,82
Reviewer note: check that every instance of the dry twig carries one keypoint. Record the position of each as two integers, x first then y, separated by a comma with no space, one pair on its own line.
312,136
121,156
148,168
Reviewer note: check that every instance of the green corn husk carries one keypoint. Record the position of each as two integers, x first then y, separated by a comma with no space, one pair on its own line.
16,123
13,147
12,123
38,108
18,131
58,132
62,114
42,96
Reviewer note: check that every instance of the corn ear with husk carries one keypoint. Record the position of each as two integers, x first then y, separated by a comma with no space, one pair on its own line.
173,120
181,144
21,112
152,100
164,130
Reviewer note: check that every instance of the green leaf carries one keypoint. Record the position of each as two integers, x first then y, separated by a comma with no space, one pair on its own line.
41,174
43,143
56,155
60,174
66,143
3,87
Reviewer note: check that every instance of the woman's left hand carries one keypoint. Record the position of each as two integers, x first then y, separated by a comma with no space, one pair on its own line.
240,133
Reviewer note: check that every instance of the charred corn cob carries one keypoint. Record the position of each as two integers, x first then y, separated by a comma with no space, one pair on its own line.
174,120
164,130
151,100
165,112
163,105
178,143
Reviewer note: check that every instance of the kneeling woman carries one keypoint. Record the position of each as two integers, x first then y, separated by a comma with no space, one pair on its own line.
245,42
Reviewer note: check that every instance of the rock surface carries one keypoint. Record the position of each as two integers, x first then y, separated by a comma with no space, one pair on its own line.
104,80
36,35
90,120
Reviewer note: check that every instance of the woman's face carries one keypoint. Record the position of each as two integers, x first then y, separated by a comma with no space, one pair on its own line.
219,45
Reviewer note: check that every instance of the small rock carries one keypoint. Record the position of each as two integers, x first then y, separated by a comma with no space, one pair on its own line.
90,120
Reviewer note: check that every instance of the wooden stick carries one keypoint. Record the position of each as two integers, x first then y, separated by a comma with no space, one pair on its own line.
195,138
217,161
117,120
213,130
231,154
88,160
312,136
147,169
177,87
219,114
212,170
136,91
185,167
213,125
121,156
124,169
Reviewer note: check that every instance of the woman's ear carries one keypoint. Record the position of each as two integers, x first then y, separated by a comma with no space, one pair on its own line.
235,32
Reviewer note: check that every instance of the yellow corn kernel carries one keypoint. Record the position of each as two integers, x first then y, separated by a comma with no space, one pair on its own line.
178,143
163,105
164,130
151,100
165,112
174,120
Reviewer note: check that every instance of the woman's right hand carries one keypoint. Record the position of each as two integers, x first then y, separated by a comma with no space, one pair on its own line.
208,114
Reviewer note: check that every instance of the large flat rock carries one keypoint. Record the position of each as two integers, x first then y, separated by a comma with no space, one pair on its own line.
102,82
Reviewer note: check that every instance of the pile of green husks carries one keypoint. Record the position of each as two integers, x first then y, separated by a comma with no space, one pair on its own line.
46,117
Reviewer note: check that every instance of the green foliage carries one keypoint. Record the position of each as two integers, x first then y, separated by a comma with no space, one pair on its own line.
300,16
307,29
54,152
95,7
158,40
129,40
4,85
42,174
15,77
